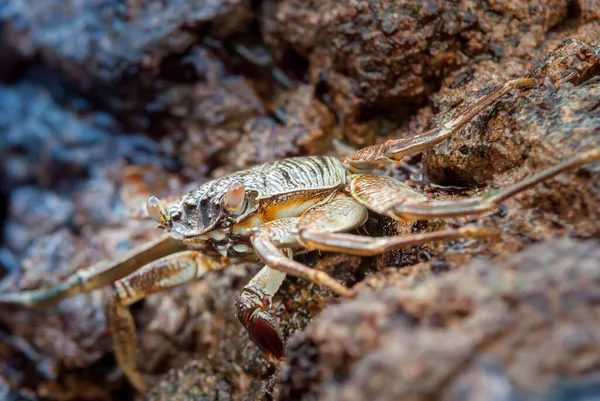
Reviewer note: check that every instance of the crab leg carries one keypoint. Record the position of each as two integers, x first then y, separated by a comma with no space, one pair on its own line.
378,193
369,246
162,274
268,241
95,276
320,227
283,233
395,150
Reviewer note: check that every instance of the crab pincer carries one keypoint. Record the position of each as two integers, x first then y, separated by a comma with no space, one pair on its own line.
262,327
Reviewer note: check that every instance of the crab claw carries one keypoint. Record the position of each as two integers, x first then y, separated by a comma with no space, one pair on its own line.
262,327
264,332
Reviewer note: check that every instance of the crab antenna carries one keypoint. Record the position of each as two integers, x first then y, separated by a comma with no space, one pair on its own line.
157,210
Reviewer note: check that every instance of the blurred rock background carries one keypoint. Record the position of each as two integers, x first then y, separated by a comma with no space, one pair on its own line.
104,102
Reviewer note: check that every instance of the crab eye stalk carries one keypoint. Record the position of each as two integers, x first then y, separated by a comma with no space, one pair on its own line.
234,199
157,210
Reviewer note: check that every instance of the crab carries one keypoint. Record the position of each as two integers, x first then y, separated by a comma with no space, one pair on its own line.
270,211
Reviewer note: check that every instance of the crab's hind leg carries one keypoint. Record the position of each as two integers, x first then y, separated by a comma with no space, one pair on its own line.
368,246
395,150
95,276
382,195
161,274
320,227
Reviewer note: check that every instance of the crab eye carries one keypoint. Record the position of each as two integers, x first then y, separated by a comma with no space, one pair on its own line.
234,199
157,210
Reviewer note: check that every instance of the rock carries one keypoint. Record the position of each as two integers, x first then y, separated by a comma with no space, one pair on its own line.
98,41
305,126
8,394
44,142
487,331
530,130
140,61
381,55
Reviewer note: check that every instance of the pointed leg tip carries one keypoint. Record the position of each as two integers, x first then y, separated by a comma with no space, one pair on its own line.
528,81
592,155
488,233
276,359
25,299
137,380
341,290
141,387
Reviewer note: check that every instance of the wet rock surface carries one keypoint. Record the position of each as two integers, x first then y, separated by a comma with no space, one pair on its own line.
105,104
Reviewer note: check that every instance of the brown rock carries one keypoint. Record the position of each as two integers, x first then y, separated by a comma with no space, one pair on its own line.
381,54
530,130
101,41
305,127
526,326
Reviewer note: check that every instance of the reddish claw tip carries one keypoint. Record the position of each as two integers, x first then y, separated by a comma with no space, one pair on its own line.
264,332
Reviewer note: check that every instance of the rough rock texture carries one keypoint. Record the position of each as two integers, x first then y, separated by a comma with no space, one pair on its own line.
56,156
381,55
94,40
161,68
65,163
532,130
108,103
306,127
522,329
561,111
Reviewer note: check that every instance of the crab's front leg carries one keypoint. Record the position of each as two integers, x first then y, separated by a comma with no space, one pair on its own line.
318,228
270,242
162,274
339,214
95,276
252,311
395,150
